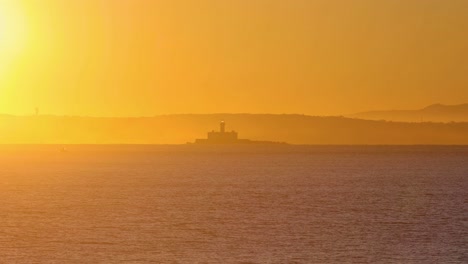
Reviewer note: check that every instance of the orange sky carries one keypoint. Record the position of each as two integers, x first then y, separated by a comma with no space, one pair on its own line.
147,57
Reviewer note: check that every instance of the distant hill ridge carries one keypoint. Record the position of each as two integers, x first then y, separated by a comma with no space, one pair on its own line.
179,129
432,113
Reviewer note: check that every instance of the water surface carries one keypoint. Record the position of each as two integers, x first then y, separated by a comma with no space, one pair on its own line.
188,204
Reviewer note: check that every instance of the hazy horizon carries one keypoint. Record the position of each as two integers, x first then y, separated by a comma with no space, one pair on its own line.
180,129
349,115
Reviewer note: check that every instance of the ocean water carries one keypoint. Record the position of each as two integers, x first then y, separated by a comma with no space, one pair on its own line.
188,204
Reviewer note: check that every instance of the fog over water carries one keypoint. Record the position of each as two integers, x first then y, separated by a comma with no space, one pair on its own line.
189,204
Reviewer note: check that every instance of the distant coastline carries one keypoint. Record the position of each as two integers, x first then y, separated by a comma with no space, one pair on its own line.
431,113
180,129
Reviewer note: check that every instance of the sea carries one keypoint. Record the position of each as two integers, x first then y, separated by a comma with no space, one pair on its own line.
233,204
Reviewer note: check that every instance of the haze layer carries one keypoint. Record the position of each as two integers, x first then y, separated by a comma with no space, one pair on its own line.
140,58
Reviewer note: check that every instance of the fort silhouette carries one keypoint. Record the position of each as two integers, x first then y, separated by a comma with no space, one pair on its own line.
231,137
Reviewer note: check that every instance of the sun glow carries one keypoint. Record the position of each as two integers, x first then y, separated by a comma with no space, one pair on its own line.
12,30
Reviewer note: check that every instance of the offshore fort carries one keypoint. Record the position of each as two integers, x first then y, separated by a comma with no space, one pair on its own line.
224,137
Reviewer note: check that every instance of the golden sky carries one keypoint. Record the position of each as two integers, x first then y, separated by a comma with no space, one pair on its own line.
147,57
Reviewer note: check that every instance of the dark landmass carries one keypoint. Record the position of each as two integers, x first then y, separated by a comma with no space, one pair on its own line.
432,113
180,129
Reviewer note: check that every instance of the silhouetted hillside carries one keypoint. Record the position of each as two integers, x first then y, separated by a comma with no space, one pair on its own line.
179,129
434,113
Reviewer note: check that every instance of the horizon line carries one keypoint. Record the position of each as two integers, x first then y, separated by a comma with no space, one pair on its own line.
158,115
